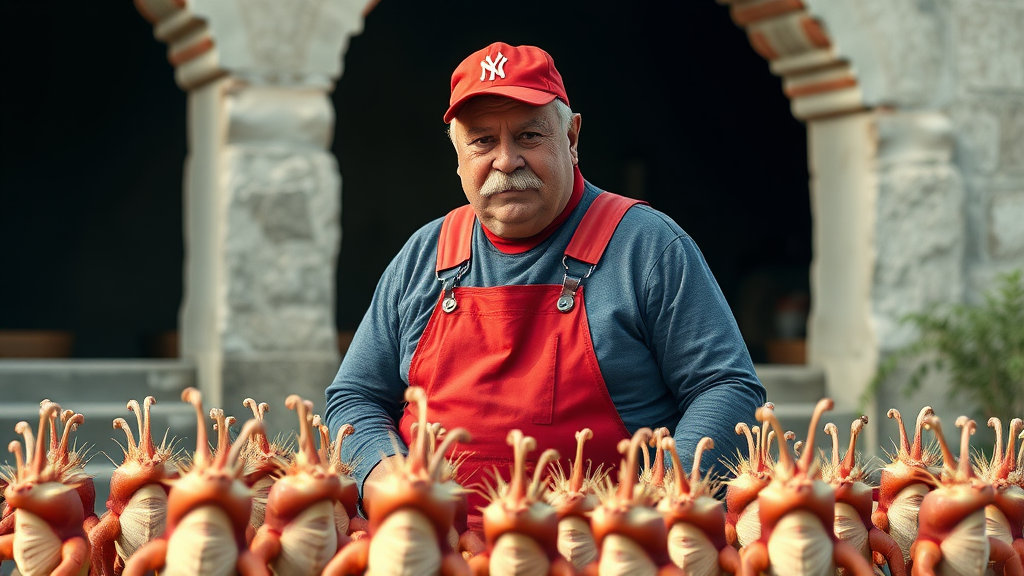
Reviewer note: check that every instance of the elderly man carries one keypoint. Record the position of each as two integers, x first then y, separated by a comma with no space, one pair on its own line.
545,304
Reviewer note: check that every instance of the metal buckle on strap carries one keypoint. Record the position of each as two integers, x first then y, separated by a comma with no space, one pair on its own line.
570,284
448,303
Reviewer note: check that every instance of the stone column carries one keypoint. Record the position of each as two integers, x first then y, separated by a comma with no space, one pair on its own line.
826,94
262,193
887,199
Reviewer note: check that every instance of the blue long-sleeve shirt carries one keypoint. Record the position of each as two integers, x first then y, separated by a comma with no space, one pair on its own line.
665,339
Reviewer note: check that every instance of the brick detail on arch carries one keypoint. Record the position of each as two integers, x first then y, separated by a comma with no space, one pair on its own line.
190,46
798,48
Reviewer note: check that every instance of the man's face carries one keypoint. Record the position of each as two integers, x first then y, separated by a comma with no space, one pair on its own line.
516,163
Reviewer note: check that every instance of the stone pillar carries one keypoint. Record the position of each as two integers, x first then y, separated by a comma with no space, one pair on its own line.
890,234
826,94
262,193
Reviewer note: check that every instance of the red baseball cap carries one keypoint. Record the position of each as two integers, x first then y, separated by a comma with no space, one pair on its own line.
524,73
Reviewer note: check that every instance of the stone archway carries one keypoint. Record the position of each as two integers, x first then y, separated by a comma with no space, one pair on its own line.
870,79
913,111
261,191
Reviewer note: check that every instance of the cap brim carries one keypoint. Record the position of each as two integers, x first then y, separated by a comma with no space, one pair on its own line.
526,95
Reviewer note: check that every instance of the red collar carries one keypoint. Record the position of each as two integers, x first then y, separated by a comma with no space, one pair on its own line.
520,245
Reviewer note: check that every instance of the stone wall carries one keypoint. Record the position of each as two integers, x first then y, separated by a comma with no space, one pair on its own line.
945,80
262,193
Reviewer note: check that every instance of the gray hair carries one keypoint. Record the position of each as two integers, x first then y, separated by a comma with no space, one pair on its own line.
562,110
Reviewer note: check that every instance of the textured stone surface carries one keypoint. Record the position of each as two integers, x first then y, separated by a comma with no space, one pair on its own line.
920,244
989,45
1006,228
282,42
921,228
1011,138
894,47
280,249
978,133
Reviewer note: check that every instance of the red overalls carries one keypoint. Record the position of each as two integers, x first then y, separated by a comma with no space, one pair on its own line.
505,357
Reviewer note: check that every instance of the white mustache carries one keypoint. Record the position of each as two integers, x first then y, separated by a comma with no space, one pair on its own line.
522,179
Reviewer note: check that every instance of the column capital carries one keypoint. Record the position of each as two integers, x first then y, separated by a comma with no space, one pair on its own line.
819,82
296,43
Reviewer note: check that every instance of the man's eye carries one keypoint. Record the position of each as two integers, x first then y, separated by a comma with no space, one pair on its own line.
530,135
482,140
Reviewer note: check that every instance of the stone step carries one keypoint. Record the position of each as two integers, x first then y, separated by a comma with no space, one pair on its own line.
795,390
178,420
100,391
792,383
95,381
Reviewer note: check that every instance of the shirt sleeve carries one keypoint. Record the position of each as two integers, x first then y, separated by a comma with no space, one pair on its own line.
702,355
368,391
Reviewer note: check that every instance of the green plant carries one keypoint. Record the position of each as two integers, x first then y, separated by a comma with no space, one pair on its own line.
981,347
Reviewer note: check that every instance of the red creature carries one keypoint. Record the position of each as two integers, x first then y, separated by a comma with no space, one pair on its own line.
751,475
49,536
654,475
299,536
629,532
466,541
263,462
346,518
208,511
797,512
904,482
411,513
137,506
1006,474
951,538
695,519
574,498
521,529
854,501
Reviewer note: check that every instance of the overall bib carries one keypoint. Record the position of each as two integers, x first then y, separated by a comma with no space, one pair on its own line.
516,357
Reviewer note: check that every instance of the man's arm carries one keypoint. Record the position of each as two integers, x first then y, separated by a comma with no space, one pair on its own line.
368,390
703,357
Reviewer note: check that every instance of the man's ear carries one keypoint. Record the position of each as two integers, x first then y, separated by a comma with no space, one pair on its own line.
574,137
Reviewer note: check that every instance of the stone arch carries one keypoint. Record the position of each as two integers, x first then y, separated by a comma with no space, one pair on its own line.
872,81
891,145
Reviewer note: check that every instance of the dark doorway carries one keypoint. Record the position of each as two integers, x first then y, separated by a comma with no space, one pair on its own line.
677,108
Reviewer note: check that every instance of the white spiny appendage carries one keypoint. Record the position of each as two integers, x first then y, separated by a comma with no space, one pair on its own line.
851,528
518,555
903,516
405,544
621,556
997,525
341,519
576,541
260,490
691,550
202,544
799,546
453,538
36,547
308,542
748,525
143,519
965,551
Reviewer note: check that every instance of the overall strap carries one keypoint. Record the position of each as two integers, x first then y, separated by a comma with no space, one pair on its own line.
454,249
454,244
590,240
598,226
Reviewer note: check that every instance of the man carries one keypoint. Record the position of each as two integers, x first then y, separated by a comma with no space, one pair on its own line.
543,305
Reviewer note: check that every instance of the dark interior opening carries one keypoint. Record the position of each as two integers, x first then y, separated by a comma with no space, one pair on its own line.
678,109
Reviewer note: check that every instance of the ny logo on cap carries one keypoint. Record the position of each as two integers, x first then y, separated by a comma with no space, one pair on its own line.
496,66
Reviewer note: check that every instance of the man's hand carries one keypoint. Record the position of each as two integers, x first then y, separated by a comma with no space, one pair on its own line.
383,468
